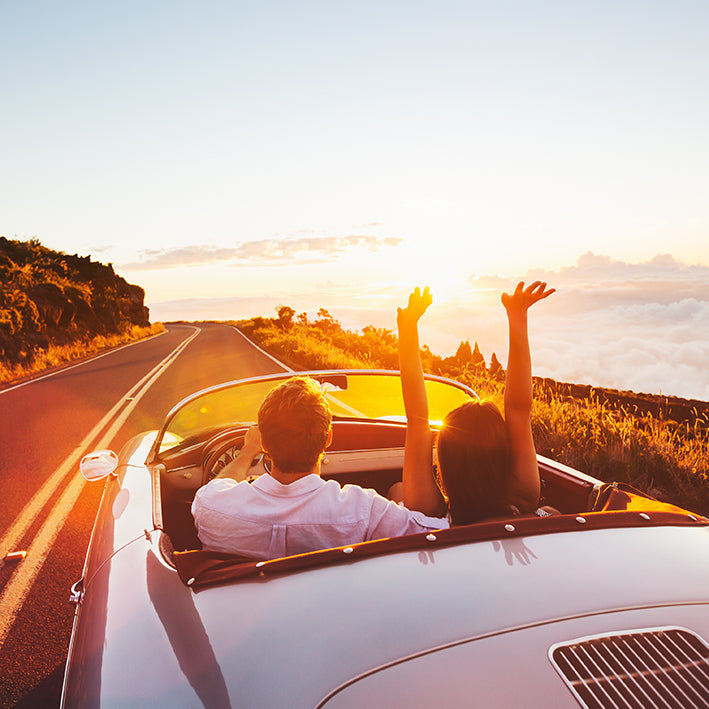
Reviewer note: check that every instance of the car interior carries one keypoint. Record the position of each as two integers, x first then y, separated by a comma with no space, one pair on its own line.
366,453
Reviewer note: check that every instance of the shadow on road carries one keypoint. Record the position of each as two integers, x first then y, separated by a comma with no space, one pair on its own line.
46,694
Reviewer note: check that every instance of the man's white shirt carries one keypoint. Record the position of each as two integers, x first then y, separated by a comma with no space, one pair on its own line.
269,520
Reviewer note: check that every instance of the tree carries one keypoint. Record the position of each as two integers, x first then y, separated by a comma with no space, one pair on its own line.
326,322
464,353
495,369
477,360
285,317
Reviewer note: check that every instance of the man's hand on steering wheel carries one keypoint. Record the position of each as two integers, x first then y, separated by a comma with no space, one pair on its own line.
238,469
252,441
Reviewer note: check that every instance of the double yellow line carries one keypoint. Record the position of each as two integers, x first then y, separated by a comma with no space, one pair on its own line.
18,587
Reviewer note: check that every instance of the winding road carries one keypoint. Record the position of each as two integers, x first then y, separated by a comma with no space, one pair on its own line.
47,510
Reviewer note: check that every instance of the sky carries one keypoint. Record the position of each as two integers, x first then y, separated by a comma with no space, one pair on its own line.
231,157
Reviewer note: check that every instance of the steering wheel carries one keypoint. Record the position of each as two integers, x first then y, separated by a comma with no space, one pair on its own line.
220,450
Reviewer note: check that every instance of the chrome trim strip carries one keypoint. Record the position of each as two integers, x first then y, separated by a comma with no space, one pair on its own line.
157,499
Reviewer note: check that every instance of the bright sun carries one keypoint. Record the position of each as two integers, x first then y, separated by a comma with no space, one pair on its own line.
441,269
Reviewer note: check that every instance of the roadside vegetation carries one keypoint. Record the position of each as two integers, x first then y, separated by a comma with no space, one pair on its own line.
57,355
55,308
657,444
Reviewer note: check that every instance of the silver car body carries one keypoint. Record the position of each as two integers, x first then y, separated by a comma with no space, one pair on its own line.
470,616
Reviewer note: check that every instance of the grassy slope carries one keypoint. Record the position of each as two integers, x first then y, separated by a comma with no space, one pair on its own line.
55,308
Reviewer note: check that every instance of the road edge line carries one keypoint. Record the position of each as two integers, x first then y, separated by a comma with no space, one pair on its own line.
69,364
261,350
31,510
15,592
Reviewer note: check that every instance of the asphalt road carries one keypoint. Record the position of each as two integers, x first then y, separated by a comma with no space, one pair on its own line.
46,425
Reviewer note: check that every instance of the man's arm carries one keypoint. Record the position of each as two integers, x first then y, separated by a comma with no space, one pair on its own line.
387,519
525,486
420,491
238,469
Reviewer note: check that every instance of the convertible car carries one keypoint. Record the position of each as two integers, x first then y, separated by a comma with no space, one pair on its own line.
603,605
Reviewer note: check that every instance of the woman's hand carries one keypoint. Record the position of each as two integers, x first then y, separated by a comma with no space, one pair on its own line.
523,298
418,305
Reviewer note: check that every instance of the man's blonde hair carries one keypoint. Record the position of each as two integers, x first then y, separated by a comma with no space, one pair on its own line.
294,420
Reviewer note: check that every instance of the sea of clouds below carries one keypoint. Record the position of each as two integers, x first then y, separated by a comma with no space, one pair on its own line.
642,327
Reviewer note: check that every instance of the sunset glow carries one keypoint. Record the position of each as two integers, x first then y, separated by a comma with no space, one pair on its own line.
234,159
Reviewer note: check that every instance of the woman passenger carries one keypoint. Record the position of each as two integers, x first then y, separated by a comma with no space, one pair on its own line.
486,462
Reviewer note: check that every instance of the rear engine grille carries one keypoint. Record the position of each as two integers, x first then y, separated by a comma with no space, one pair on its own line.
654,667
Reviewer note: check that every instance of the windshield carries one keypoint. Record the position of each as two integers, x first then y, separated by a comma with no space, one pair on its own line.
358,394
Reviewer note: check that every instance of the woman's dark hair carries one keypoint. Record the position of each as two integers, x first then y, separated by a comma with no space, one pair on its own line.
475,462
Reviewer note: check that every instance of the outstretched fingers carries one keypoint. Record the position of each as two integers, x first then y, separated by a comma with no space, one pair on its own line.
538,291
523,298
418,304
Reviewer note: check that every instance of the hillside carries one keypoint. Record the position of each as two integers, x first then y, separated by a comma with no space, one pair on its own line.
657,444
51,300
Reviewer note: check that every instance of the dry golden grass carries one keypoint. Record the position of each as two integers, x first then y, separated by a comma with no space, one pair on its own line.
303,348
663,458
57,355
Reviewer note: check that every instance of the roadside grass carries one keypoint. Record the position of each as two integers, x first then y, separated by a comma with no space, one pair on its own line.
55,355
667,460
664,458
305,350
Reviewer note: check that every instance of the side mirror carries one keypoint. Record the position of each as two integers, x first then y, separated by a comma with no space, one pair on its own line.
98,465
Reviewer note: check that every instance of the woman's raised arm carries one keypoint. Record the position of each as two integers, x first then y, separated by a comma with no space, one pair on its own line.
420,491
525,487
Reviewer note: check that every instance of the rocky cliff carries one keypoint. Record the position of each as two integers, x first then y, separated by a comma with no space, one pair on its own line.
48,297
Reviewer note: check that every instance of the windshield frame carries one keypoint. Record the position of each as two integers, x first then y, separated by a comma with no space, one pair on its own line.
330,376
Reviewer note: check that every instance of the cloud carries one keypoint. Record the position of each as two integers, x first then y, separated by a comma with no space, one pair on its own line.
263,252
642,327
596,279
353,306
637,326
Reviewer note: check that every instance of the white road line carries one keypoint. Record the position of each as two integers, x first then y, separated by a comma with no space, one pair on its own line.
78,364
33,508
262,351
18,587
344,406
288,369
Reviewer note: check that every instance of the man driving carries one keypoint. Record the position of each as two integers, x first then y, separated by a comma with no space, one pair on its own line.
291,509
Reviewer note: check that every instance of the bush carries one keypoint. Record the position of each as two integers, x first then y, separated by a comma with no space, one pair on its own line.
48,298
